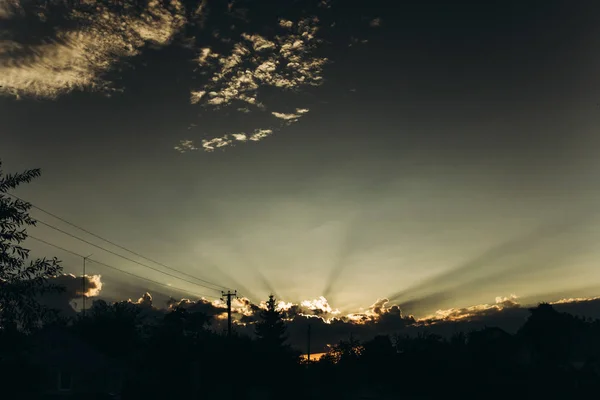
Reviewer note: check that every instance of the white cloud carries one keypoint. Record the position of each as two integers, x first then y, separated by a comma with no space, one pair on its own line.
285,116
290,117
259,43
93,285
575,300
260,134
215,143
211,145
457,314
285,62
78,57
73,284
145,300
320,305
195,97
286,23
205,55
68,300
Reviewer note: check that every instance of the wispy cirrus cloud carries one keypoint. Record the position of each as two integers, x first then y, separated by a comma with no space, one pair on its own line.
260,134
185,145
290,117
285,61
216,143
75,59
285,116
210,145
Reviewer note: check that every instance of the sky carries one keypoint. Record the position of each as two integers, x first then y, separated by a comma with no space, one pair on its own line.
435,154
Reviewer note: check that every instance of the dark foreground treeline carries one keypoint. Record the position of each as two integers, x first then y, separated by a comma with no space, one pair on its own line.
553,355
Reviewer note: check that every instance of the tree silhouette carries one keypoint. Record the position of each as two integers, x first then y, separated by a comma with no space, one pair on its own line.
345,352
548,334
21,282
272,353
111,328
270,330
378,351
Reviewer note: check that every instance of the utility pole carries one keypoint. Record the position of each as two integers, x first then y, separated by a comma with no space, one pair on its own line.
229,295
308,345
83,284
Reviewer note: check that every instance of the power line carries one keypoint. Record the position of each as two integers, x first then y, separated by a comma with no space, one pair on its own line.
122,256
116,245
118,269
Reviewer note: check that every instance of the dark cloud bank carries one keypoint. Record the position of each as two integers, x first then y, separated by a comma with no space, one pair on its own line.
329,326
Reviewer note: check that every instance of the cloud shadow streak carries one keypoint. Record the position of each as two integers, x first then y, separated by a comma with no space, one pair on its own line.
450,278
